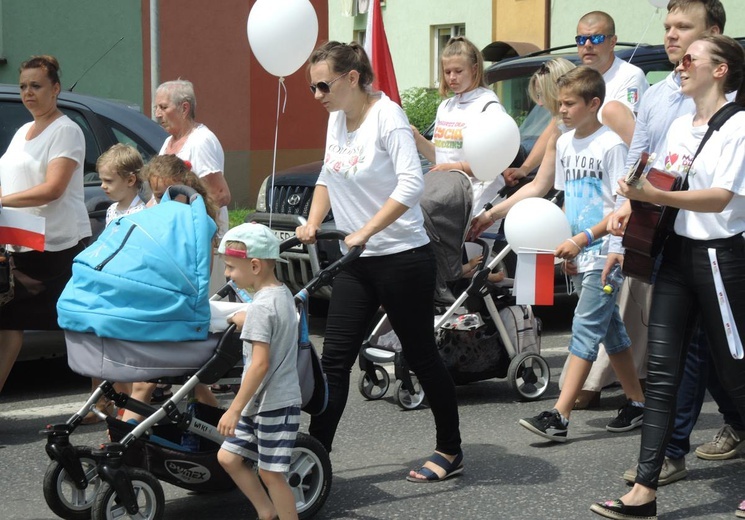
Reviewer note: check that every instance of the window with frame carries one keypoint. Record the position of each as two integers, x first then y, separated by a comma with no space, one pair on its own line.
441,34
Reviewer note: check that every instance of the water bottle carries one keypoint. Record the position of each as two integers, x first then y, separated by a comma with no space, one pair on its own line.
190,440
613,280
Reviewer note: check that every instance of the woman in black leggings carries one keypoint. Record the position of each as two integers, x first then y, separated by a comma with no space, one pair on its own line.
702,274
372,179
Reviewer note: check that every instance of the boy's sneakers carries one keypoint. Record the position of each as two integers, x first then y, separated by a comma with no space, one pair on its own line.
628,418
549,425
726,444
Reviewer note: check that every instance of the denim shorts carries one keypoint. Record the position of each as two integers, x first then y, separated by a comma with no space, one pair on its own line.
596,319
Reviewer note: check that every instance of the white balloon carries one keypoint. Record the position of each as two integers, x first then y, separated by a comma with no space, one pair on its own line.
282,34
536,223
659,4
491,141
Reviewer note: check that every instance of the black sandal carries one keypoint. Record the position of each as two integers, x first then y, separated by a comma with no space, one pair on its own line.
617,510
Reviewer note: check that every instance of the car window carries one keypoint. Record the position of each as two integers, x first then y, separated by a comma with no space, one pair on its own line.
92,150
513,94
125,136
12,117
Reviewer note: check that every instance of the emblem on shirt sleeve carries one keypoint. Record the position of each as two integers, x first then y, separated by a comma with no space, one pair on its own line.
632,95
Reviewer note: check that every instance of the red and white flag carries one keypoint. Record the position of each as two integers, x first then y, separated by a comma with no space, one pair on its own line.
376,47
534,277
19,228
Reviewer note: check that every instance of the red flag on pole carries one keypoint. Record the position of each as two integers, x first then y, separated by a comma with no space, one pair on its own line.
376,47
534,277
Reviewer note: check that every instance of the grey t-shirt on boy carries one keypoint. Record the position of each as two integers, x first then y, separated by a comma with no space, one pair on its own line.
271,318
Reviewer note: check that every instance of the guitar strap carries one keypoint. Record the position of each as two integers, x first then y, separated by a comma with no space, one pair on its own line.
715,123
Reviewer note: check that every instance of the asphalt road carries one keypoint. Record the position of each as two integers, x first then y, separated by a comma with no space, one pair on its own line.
509,473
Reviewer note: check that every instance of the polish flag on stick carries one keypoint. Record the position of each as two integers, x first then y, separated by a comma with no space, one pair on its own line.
376,47
19,228
534,277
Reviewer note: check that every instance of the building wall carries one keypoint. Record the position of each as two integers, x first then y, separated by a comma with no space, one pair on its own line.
636,20
408,25
77,33
236,97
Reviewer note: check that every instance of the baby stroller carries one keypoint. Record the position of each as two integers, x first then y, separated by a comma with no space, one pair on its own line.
480,334
121,478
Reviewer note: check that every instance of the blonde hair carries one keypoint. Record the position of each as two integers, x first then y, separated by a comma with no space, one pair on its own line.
461,46
543,88
172,170
124,160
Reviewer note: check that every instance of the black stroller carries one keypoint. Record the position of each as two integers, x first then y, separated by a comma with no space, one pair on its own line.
121,478
481,334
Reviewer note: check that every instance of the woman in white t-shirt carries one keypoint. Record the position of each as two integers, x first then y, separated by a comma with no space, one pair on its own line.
462,71
41,173
701,275
372,179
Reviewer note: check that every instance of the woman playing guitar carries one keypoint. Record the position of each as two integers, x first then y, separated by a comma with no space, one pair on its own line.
701,274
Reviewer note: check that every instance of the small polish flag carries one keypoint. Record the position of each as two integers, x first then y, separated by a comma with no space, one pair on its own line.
534,277
19,228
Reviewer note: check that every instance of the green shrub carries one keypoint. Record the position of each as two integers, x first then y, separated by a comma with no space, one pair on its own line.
420,105
238,215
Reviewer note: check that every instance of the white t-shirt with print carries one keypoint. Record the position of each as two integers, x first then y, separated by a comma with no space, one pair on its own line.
588,171
363,169
721,164
24,165
453,116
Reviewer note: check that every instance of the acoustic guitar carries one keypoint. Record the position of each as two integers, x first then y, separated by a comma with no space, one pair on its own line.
649,224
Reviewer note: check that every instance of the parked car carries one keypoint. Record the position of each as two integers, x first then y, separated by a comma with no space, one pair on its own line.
104,123
290,196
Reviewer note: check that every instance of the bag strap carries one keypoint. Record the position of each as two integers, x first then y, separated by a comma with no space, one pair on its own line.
492,102
715,123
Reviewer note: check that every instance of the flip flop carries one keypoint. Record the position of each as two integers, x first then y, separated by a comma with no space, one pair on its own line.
452,469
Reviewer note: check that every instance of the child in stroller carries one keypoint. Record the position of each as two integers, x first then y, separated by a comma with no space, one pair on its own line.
122,478
481,334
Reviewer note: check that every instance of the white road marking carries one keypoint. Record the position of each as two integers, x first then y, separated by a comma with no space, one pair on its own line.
42,411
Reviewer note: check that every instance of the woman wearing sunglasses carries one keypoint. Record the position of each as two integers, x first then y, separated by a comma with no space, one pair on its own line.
701,276
372,180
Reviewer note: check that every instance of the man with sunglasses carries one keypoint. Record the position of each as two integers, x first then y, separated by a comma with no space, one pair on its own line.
686,21
596,38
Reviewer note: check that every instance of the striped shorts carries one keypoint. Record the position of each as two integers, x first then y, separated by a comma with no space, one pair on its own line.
267,438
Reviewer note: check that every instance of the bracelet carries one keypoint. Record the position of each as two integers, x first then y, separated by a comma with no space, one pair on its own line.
590,237
575,244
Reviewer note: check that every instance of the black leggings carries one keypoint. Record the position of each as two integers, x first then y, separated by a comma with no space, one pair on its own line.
683,292
404,284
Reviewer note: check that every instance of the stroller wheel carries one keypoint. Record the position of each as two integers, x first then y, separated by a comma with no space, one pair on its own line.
147,491
63,498
371,389
309,475
408,400
529,376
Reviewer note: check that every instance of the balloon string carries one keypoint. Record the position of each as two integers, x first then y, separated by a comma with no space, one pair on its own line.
656,11
280,86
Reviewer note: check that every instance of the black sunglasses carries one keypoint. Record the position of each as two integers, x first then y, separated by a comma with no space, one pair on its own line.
595,39
325,87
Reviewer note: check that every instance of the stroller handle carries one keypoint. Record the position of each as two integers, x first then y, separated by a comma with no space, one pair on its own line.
326,275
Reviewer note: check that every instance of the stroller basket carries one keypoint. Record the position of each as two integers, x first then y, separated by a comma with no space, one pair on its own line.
131,361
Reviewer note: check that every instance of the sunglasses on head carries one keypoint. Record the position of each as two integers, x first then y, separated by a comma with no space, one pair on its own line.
325,87
595,39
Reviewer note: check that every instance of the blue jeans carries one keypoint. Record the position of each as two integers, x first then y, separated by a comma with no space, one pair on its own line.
596,319
404,284
698,376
